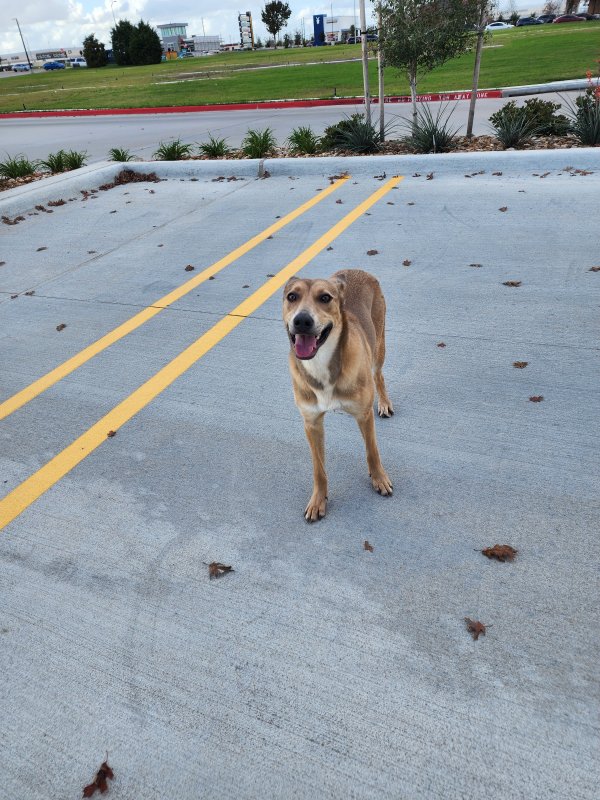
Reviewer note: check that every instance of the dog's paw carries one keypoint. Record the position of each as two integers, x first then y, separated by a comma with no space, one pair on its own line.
316,508
382,484
385,409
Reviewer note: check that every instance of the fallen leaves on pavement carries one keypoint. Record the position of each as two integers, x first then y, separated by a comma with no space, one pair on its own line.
61,327
475,628
372,252
511,283
407,262
368,546
100,780
537,398
189,268
503,208
520,364
501,552
217,570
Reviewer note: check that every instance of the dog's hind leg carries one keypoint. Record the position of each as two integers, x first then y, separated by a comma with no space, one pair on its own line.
384,404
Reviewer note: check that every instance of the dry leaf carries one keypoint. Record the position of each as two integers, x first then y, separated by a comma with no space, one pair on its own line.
537,398
216,570
591,269
269,237
368,546
189,267
14,296
330,248
406,262
246,286
511,283
416,174
90,252
475,628
211,278
389,202
496,173
2,263
39,250
503,208
100,780
501,552
440,344
114,211
429,176
520,364
380,177
339,202
270,275
61,327
410,204
57,202
110,434
372,252
160,245
475,265
30,294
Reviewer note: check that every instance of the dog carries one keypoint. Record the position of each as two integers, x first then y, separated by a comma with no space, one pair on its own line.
336,329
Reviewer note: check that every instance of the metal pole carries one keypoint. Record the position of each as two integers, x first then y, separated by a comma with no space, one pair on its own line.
23,40
365,61
380,78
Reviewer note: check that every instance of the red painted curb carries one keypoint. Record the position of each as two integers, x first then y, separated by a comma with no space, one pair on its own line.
267,104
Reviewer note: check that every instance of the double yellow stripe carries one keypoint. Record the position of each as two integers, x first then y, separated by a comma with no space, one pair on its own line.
58,373
46,477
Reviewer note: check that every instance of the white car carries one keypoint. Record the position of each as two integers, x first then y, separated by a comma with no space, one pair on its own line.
78,62
498,26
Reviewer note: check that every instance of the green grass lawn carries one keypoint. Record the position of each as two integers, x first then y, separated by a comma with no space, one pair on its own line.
518,56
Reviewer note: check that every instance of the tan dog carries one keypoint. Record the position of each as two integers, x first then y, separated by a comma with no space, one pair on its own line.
336,329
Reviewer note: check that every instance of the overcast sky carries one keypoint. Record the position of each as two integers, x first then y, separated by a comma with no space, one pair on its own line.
63,23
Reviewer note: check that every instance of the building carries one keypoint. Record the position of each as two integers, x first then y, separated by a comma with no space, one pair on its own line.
206,44
328,30
39,57
173,36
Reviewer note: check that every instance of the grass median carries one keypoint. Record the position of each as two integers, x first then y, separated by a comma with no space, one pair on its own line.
518,56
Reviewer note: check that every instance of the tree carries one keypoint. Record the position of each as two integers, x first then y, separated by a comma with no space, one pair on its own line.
275,16
94,52
287,40
418,35
484,9
297,38
145,46
551,7
258,43
120,37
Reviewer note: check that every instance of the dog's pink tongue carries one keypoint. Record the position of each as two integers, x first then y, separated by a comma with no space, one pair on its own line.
305,345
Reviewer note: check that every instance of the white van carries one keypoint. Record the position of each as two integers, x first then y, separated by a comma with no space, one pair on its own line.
78,62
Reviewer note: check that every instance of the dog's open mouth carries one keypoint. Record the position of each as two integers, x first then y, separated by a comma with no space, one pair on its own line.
306,345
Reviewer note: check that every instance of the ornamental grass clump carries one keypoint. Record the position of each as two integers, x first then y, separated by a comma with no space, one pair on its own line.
258,144
175,150
17,167
214,148
429,134
513,126
303,141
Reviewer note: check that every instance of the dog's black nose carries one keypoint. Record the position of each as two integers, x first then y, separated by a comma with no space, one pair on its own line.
303,322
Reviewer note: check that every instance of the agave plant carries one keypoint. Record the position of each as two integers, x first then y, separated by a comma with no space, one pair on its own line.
429,134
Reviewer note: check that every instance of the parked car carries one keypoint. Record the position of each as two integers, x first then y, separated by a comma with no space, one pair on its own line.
78,62
185,54
528,21
547,18
568,18
21,67
54,65
498,26
588,17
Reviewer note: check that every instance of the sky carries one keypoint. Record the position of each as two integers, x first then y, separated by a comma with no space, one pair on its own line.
60,23
64,23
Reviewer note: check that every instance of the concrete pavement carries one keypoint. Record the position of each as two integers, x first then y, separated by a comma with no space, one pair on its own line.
316,668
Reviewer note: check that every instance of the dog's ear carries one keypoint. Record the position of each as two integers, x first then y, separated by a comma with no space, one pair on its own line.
288,285
340,285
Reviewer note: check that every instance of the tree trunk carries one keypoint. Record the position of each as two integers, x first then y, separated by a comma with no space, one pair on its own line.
380,76
365,62
412,79
478,52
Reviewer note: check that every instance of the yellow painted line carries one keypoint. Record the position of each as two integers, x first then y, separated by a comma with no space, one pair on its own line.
32,488
62,370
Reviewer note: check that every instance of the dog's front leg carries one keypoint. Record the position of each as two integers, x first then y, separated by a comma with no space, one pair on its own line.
315,433
379,477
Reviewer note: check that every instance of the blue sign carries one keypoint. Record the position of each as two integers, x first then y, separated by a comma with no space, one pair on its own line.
319,28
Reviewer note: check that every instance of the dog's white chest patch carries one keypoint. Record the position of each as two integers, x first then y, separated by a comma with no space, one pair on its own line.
318,369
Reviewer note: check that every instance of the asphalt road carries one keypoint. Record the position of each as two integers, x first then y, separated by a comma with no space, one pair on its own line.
142,134
316,668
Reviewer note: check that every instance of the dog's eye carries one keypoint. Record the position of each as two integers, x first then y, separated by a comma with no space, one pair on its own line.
325,298
292,297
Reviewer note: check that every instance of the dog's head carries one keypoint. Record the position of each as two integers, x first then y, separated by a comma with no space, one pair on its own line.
312,309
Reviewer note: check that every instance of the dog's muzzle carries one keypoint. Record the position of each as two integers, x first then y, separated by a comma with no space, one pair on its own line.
304,339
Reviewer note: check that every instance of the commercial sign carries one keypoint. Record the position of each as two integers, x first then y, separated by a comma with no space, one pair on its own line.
246,32
319,28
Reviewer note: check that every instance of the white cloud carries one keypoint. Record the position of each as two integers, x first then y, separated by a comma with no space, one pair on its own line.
60,23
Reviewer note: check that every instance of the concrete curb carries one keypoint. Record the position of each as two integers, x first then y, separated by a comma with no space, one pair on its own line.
517,162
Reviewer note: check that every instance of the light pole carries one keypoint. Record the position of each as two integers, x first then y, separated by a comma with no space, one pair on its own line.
23,40
113,11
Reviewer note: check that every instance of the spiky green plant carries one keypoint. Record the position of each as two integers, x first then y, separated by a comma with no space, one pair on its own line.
214,147
17,167
303,141
429,134
175,150
120,154
258,144
74,159
54,162
513,126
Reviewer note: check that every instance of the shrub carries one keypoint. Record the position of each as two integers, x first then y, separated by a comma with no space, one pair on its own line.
585,116
55,162
258,144
362,137
429,134
17,167
542,114
512,125
172,151
333,136
119,154
74,160
303,141
214,148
